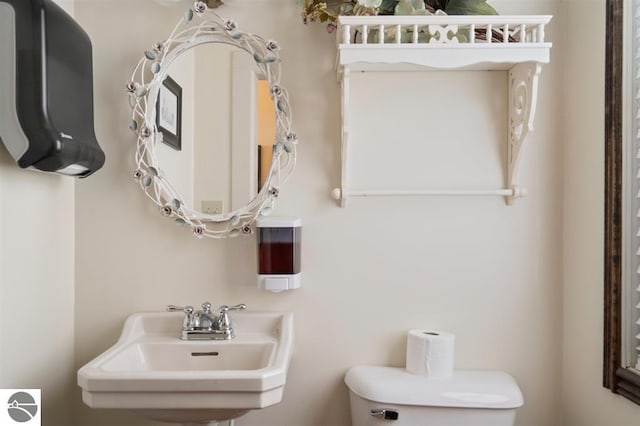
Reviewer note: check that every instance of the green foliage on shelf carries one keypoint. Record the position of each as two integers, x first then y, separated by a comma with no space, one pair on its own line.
328,11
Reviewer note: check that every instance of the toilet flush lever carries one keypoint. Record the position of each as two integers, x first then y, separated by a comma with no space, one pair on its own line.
385,414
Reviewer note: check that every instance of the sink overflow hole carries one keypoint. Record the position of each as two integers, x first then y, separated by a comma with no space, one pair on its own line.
205,353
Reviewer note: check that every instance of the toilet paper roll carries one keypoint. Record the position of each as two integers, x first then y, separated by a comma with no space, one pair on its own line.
430,353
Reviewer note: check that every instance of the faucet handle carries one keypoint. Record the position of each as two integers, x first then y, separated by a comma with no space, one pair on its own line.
187,322
224,308
186,309
224,323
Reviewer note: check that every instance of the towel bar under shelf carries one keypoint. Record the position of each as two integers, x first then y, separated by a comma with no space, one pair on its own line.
514,192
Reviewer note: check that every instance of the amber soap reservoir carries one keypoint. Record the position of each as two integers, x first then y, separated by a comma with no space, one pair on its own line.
279,252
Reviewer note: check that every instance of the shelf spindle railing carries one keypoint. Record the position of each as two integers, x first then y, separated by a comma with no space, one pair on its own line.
442,29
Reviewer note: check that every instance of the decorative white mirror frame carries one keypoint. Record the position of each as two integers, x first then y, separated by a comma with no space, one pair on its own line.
199,25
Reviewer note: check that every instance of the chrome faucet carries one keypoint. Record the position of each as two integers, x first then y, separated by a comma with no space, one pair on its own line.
205,325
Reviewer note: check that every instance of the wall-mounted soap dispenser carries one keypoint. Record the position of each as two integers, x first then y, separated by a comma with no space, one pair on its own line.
279,253
46,89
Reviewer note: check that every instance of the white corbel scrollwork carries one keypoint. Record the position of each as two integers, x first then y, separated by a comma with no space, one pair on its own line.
523,96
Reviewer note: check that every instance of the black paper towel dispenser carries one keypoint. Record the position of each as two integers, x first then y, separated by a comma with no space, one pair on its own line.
46,89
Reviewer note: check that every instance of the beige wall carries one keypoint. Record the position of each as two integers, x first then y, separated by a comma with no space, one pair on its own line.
36,284
372,270
586,402
131,260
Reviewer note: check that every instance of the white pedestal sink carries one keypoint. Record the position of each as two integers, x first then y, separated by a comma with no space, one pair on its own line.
150,371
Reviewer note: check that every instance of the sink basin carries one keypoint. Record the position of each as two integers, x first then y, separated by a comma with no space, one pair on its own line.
152,372
169,356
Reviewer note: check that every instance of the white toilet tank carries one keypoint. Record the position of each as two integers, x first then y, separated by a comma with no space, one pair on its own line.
387,396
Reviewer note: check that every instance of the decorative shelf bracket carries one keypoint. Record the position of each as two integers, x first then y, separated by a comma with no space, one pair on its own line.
408,43
523,96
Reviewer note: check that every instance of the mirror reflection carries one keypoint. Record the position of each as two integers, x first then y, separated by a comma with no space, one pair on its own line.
218,127
208,130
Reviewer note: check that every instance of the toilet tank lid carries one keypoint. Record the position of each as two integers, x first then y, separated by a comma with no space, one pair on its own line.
465,389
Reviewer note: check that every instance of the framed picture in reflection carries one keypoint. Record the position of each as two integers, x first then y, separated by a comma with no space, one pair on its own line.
169,113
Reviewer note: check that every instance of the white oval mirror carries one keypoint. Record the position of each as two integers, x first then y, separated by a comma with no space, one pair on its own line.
199,149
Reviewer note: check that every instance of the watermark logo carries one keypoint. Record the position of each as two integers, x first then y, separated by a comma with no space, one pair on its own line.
22,407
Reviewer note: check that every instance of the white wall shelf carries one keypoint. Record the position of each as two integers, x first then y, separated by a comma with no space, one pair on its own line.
410,43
